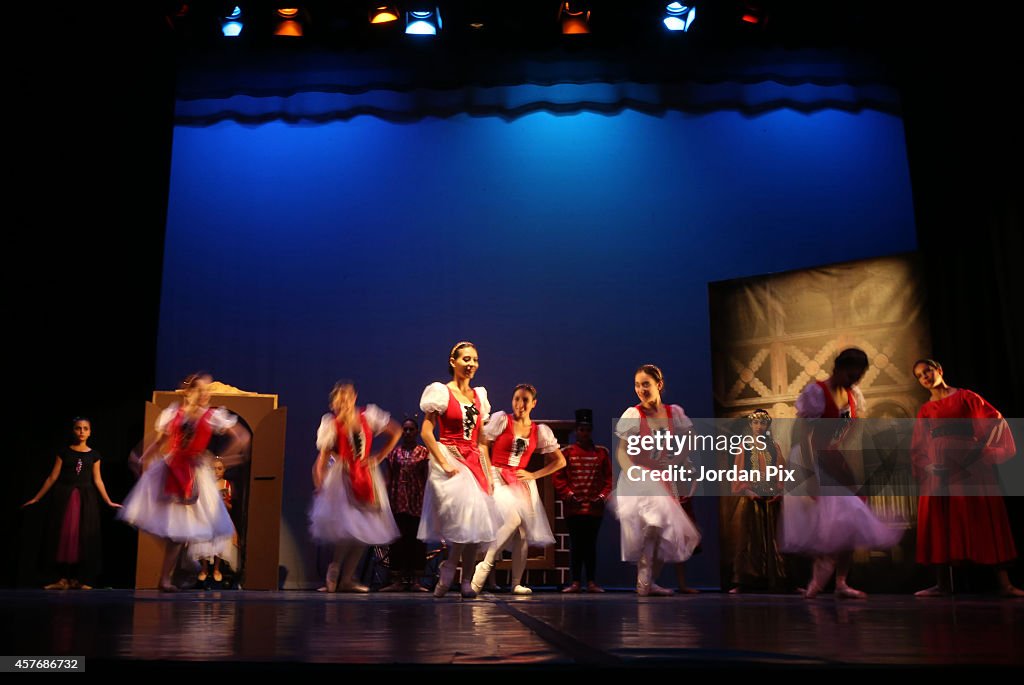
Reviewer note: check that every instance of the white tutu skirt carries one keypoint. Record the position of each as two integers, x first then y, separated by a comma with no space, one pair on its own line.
337,516
206,520
455,509
832,524
650,506
224,548
523,500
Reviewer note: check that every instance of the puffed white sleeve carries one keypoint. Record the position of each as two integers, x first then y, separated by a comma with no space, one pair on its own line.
629,423
495,426
434,399
485,404
546,442
811,402
680,421
165,418
377,418
858,398
327,433
221,420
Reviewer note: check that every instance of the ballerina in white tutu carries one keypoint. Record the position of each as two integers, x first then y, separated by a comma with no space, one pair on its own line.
223,550
457,504
177,497
654,527
825,520
512,440
351,508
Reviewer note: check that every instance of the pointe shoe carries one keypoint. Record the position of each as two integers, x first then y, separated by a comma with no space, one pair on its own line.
572,588
933,591
218,576
444,582
83,586
593,587
61,584
417,587
659,591
687,590
521,590
167,588
1011,591
202,576
397,586
483,569
352,586
847,592
467,590
735,591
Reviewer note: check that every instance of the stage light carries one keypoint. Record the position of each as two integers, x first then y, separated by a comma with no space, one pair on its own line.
384,14
679,17
752,13
574,17
232,24
290,24
423,22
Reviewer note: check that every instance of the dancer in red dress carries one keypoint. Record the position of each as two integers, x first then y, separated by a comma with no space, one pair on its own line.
351,509
829,522
654,527
970,526
524,520
457,505
176,497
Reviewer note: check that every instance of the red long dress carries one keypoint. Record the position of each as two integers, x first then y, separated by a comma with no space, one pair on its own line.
954,527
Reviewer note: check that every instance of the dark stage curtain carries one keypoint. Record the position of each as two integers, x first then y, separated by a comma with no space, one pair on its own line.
322,87
963,147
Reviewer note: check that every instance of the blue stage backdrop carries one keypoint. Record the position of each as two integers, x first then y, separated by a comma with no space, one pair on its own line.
569,248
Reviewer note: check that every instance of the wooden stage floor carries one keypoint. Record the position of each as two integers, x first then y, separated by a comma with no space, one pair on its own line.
119,630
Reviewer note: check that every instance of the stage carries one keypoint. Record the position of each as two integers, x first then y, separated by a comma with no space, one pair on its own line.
124,630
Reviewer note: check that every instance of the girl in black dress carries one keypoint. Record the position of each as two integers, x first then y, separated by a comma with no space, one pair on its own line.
73,539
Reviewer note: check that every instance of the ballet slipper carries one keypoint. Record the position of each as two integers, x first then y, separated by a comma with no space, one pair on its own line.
444,582
483,569
844,591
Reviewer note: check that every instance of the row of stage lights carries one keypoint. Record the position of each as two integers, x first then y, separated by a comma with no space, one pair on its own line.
292,20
